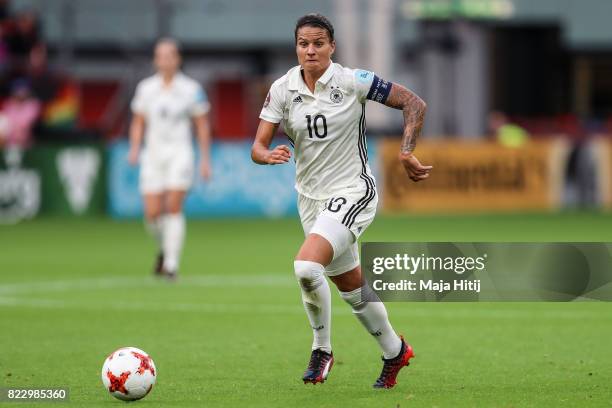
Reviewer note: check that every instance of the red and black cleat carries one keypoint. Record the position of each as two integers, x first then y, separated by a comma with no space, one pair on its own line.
392,366
319,367
158,268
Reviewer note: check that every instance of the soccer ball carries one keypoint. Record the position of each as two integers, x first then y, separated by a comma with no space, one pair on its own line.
128,373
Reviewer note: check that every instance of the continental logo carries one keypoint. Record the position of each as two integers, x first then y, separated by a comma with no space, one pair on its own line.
476,176
513,174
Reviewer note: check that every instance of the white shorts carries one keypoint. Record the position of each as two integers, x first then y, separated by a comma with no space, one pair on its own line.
352,212
172,172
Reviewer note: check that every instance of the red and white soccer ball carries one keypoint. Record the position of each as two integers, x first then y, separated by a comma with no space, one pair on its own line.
128,373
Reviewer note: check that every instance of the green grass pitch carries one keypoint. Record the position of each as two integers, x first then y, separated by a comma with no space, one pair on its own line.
232,332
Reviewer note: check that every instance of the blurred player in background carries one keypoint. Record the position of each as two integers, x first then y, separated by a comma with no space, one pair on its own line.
322,107
164,108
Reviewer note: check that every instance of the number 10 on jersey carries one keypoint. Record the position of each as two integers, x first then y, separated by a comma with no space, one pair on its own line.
316,124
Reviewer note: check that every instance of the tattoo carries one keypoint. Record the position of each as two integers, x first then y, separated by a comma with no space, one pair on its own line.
414,114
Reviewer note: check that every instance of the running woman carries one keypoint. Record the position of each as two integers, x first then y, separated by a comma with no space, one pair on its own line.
164,108
322,107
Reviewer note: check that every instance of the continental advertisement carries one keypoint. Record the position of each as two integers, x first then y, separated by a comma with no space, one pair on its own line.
601,151
476,176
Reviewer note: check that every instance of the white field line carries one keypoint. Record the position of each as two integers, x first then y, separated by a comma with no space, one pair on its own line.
120,281
16,295
216,308
414,310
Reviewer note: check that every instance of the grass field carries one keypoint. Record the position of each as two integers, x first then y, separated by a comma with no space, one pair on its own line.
232,332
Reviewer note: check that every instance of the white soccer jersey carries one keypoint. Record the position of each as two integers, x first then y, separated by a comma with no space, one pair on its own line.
327,128
168,111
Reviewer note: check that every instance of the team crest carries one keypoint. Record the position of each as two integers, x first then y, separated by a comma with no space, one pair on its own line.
336,96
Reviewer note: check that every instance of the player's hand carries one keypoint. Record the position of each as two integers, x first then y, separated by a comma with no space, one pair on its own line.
279,155
205,170
133,156
415,170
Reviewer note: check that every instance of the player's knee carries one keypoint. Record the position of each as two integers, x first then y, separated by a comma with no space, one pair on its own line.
174,202
174,211
309,274
152,214
174,206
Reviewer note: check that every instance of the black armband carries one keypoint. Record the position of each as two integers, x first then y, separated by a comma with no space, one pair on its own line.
379,91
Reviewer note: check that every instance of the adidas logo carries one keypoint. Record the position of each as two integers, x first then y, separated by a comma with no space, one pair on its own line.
297,99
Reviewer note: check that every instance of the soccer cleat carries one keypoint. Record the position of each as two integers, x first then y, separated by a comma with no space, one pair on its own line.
170,275
392,366
319,367
158,269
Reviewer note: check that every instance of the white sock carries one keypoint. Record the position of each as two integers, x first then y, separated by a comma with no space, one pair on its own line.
373,316
317,302
154,228
173,237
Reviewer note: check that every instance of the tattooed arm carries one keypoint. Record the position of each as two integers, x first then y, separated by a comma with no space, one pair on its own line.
414,114
414,109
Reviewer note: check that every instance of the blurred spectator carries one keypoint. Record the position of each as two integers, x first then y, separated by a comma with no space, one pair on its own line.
20,111
4,129
24,34
507,134
4,11
5,22
56,94
4,54
44,82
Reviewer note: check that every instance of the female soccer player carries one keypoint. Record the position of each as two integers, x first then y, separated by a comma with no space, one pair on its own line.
163,109
322,107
